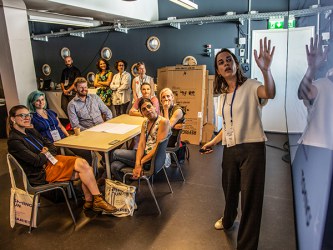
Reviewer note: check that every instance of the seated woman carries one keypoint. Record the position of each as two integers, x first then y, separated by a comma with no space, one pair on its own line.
173,112
146,93
153,130
47,123
37,156
102,82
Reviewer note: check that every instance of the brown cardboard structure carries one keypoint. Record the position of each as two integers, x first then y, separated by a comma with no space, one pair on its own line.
188,84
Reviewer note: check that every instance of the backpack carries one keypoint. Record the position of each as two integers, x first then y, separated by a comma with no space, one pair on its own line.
183,152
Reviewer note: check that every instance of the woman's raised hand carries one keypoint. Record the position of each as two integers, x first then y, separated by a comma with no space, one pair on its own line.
315,54
264,60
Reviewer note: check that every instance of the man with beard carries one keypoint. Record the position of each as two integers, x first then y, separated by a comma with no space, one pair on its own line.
68,75
86,110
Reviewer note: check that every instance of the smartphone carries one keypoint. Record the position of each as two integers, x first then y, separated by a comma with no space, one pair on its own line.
205,150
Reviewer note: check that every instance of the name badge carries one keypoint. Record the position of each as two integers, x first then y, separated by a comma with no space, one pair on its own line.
55,135
66,83
51,158
230,137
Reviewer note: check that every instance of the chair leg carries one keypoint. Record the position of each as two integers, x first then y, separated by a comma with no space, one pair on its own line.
68,205
178,165
71,186
152,193
167,178
36,195
94,163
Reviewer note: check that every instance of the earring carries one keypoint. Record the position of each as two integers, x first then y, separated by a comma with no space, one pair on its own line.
14,122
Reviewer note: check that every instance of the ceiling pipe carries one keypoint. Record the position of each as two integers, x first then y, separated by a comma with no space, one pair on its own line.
196,20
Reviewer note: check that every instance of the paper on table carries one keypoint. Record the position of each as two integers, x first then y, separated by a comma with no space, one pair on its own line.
114,128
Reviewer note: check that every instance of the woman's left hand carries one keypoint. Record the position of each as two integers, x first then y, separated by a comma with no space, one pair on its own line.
264,60
137,172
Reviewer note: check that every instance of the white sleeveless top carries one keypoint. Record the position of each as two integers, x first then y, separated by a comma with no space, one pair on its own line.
246,113
152,136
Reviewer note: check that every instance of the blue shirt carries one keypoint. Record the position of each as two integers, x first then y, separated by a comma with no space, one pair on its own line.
88,113
44,126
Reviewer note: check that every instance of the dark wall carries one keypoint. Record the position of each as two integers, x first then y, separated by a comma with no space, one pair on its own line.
175,44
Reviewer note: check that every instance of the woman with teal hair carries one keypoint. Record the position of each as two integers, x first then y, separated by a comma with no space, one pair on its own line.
44,120
47,123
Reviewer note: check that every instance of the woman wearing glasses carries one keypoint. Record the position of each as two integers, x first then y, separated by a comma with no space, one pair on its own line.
154,129
39,159
121,87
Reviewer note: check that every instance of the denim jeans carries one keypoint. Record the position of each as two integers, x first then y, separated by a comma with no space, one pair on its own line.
124,158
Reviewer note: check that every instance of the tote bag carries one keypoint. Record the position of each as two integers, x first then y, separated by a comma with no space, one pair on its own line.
21,207
121,196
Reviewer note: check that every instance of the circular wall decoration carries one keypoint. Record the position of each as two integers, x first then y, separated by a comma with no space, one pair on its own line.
46,69
106,53
65,52
134,70
91,79
153,43
190,61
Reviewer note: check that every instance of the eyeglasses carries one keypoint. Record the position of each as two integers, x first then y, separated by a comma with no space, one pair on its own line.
23,116
121,65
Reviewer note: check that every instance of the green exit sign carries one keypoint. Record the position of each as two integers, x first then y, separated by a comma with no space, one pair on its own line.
275,23
291,22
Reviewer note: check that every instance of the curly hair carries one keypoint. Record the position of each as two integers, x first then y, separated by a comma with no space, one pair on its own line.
106,63
220,84
117,62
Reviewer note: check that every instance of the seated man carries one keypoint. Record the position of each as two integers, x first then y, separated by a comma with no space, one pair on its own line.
146,93
173,112
86,110
153,130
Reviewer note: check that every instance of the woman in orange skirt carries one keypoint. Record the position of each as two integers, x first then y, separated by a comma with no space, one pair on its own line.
41,164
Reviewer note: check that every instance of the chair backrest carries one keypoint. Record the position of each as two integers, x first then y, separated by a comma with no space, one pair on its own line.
12,165
158,159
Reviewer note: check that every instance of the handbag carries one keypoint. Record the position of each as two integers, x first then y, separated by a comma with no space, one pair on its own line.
20,208
121,196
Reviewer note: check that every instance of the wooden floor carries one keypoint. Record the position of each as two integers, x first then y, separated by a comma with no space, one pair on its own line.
188,215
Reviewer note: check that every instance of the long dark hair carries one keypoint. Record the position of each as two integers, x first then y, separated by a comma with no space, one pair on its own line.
12,113
220,84
106,63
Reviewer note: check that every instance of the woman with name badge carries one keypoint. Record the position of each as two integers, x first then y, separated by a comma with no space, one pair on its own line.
243,137
47,123
40,162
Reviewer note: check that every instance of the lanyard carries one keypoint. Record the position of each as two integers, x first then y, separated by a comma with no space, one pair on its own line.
147,135
232,102
33,144
141,79
47,122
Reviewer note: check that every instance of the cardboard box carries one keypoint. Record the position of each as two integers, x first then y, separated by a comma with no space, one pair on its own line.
188,86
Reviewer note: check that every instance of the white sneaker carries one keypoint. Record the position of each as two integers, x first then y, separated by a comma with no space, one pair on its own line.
218,224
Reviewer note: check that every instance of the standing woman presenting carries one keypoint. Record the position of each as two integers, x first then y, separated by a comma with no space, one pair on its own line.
243,137
102,81
121,87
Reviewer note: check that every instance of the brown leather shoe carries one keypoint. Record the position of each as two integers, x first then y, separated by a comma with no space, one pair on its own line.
100,205
88,205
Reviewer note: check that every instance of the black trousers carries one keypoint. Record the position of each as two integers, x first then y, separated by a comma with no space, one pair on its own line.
121,109
65,99
243,170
